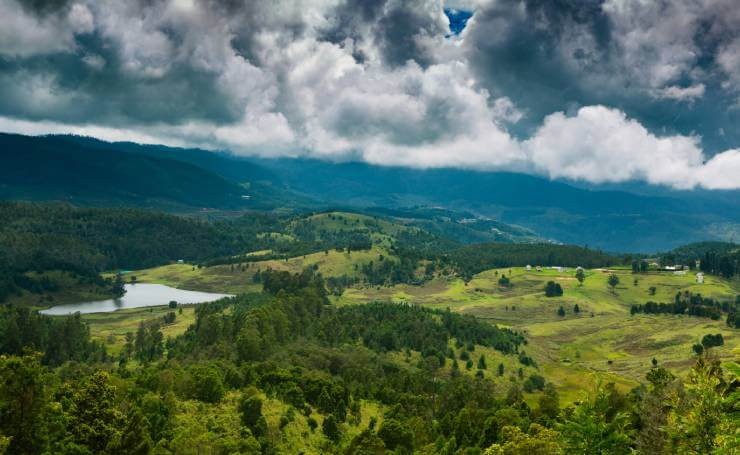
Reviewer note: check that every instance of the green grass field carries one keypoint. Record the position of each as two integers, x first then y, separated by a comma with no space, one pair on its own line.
238,278
602,342
574,351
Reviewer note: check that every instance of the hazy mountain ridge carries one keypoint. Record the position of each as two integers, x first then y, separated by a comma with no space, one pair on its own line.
89,171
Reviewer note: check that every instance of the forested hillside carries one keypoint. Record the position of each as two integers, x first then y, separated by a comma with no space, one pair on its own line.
473,259
90,172
286,372
86,241
717,258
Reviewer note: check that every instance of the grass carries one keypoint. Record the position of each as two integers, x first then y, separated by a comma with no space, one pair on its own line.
574,351
237,278
602,342
111,328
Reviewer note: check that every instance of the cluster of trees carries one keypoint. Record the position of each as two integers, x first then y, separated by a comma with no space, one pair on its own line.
553,289
692,305
473,259
60,338
716,258
726,264
220,406
82,242
733,319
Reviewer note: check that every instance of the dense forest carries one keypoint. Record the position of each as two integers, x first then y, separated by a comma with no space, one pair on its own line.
210,389
473,259
87,241
717,258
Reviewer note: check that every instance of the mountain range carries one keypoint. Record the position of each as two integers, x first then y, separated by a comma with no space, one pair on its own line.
87,171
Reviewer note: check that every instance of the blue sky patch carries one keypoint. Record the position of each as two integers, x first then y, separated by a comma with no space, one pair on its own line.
458,19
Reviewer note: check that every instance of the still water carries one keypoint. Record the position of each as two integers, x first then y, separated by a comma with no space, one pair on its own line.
137,296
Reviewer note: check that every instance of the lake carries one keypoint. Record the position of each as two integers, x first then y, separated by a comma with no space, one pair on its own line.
137,296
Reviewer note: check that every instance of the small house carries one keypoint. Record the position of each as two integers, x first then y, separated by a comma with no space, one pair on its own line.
539,268
529,268
700,278
180,261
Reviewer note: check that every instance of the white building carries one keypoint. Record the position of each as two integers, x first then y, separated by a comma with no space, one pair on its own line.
700,278
529,268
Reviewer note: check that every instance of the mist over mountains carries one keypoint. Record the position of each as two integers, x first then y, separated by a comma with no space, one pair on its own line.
92,172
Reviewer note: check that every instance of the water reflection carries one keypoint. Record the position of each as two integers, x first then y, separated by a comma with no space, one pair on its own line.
137,296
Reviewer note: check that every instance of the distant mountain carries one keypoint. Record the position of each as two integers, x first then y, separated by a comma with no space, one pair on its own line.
91,172
611,219
468,206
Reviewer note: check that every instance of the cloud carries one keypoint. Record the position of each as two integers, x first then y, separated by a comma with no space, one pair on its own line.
680,93
524,87
600,144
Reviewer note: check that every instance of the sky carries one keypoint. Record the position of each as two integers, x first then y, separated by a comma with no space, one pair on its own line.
598,91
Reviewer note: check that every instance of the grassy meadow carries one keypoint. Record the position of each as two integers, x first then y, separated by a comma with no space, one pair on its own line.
602,342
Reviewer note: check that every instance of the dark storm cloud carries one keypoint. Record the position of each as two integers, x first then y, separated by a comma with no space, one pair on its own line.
400,31
520,53
350,20
657,62
520,88
397,28
108,95
44,7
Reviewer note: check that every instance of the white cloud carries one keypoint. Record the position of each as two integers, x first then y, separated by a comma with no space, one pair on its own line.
677,93
600,144
295,92
722,172
22,34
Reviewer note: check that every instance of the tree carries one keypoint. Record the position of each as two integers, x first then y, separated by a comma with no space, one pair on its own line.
549,403
504,281
366,443
23,400
135,438
94,419
576,309
553,289
596,426
652,289
119,286
482,362
561,311
396,435
330,428
250,411
653,412
539,441
710,341
206,384
500,369
700,422
613,281
698,348
580,276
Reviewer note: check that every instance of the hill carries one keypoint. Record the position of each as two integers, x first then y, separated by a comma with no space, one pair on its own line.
613,220
90,172
467,206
